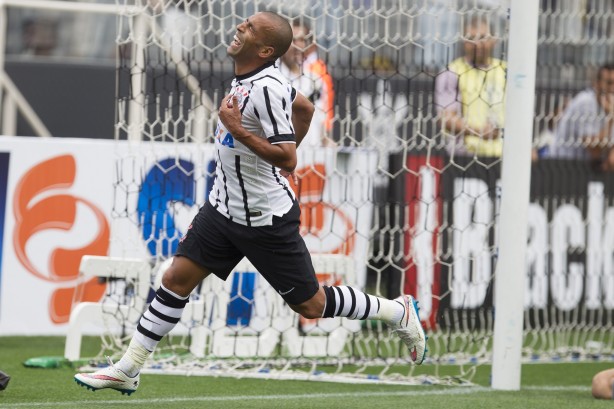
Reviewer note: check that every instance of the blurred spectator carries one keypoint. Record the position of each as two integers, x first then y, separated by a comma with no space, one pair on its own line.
603,384
438,27
39,37
585,129
470,95
309,76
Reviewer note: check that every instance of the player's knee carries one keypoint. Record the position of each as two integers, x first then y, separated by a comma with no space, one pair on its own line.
182,276
307,310
313,307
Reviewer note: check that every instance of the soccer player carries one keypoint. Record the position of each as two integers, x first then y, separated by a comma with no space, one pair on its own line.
603,384
252,212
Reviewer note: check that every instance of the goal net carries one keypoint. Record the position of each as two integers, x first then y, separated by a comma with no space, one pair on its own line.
402,203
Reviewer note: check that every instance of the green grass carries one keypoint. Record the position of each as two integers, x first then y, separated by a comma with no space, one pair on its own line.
562,385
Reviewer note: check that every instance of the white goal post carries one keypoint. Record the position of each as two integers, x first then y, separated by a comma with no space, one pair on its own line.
516,178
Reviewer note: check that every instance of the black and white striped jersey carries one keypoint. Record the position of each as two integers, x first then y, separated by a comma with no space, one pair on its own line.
247,189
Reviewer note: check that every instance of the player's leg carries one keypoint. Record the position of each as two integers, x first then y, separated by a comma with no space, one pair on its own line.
281,256
344,301
163,313
203,245
160,318
603,384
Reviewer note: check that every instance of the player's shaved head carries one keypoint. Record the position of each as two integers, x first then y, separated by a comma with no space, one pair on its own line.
279,33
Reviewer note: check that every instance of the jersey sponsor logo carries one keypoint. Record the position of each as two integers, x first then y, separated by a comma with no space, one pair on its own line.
224,137
42,201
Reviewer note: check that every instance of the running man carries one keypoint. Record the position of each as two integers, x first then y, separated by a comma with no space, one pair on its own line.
252,212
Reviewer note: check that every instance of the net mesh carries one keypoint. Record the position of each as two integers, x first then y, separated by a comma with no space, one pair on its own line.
407,204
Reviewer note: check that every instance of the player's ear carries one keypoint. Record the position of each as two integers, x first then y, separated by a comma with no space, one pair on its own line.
267,52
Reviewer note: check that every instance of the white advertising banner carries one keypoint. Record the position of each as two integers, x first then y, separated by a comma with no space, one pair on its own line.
61,199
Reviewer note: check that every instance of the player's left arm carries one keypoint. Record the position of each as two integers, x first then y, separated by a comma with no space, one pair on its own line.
281,154
302,113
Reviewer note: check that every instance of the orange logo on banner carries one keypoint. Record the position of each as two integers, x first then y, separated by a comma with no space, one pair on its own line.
35,212
313,210
310,191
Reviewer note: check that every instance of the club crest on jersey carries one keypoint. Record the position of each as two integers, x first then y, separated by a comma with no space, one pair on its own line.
241,93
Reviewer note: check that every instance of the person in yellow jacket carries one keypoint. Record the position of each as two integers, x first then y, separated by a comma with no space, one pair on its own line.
470,95
308,75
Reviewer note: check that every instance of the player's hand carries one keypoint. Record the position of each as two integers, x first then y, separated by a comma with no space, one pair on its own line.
230,114
290,176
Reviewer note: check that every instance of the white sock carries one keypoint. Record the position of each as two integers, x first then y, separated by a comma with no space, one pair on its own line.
134,358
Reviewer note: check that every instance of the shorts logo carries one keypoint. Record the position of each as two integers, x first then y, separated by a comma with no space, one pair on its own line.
285,292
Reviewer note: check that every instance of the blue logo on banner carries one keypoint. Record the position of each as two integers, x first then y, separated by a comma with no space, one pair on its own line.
168,182
241,298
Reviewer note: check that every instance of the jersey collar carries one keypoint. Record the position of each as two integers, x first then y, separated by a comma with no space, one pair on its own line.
256,71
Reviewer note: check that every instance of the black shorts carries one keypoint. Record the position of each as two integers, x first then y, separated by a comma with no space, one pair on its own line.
278,251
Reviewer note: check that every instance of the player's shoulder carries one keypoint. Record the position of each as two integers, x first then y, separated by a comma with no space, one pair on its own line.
271,78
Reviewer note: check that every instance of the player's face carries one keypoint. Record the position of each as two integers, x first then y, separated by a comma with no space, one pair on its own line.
479,43
247,41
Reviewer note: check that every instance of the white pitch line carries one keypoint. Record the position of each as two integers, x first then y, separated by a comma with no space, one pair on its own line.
454,391
557,388
438,392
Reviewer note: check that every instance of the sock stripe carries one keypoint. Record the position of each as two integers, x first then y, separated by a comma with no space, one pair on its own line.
169,300
353,301
148,333
163,317
329,309
355,304
338,312
368,308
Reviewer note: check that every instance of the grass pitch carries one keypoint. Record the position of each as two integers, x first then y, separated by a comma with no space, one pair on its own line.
561,385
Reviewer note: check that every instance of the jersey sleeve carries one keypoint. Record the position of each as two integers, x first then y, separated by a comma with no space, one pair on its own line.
273,105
